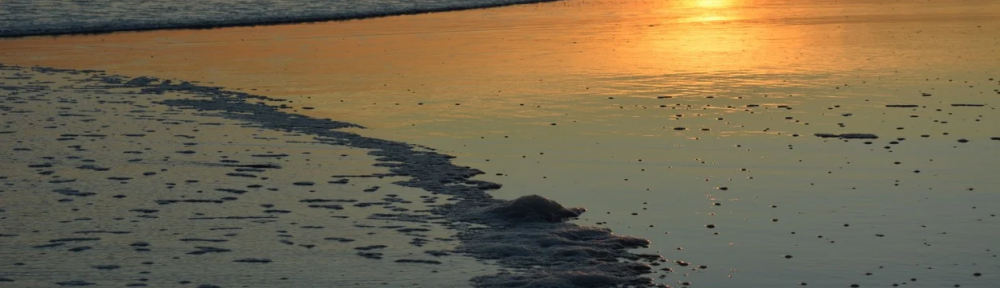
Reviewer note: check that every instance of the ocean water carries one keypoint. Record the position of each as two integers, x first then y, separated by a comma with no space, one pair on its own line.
21,18
688,123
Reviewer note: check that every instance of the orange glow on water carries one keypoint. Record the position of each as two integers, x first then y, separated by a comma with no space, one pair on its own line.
713,3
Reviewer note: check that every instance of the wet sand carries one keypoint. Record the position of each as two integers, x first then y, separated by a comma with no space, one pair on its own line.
181,183
741,139
104,185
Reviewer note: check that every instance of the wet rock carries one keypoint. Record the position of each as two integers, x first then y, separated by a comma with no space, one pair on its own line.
535,208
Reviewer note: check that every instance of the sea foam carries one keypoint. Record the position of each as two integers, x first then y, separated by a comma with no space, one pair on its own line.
54,17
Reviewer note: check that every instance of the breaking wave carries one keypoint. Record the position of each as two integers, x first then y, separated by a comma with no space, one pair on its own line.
55,17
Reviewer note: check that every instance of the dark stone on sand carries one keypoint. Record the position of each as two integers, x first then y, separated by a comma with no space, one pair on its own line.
437,253
75,283
258,166
339,239
327,206
229,190
269,155
253,260
902,106
847,135
102,232
139,244
74,239
245,175
92,167
967,105
73,192
534,208
209,286
369,204
370,255
168,201
304,183
5,279
205,250
858,136
370,247
418,261
203,240
79,249
410,230
328,200
233,218
106,267
48,245
146,211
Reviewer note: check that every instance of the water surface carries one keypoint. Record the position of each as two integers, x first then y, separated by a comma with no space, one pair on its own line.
664,117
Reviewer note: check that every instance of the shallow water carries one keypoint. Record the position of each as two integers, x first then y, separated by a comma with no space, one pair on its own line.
616,79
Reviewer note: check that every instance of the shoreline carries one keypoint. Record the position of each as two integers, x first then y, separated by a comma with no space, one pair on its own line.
533,231
336,17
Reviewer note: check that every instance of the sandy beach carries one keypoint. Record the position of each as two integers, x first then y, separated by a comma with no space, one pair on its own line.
751,144
153,190
106,185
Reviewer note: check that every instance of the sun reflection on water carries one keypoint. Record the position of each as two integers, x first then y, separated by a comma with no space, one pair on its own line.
713,3
711,10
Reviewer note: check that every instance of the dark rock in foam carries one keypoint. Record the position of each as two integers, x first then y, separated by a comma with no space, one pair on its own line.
535,208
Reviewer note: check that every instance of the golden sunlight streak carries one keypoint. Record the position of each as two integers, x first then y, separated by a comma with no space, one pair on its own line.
710,10
713,3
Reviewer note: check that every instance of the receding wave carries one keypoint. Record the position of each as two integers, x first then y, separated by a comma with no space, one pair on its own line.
56,17
530,238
